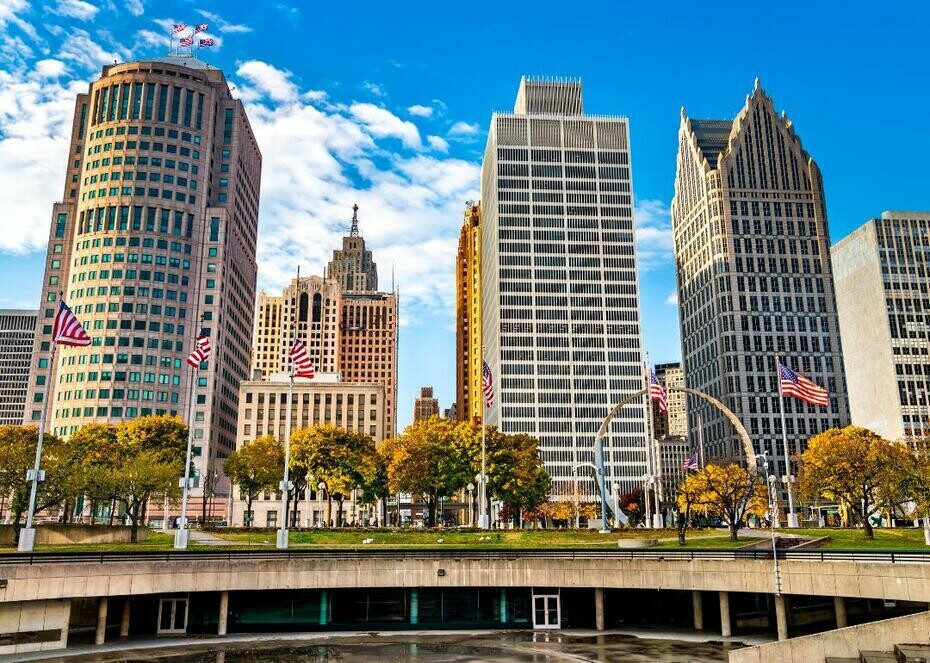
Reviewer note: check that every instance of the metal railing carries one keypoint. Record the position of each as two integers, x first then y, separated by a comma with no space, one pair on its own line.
511,554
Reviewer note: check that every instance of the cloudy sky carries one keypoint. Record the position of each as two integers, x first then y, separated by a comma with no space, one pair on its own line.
388,108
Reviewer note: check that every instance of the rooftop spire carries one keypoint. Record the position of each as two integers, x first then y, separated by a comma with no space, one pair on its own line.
354,231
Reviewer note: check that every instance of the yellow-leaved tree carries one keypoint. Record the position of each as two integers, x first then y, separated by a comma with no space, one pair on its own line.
728,492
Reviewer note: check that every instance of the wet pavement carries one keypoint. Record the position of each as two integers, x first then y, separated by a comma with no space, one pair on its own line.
386,647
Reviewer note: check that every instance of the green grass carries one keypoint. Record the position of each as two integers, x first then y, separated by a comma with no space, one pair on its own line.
899,538
692,541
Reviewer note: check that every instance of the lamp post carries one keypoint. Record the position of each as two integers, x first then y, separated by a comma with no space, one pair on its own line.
615,496
320,487
773,505
471,514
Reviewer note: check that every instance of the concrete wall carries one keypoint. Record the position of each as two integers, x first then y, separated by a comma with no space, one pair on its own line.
28,618
844,642
58,534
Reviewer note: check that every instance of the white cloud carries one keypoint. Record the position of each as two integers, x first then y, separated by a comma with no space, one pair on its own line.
383,123
652,221
438,143
268,80
222,24
148,38
90,53
463,129
672,298
50,68
374,88
83,11
420,110
135,7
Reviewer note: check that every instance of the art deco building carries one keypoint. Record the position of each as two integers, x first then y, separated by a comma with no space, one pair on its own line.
752,252
560,298
468,317
425,406
155,232
311,312
882,273
352,266
17,336
267,338
674,421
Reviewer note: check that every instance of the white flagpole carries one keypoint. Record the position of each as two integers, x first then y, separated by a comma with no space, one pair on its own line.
701,437
792,516
648,449
483,495
182,535
285,485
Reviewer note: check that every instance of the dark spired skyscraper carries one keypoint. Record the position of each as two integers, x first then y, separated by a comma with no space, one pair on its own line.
352,266
752,253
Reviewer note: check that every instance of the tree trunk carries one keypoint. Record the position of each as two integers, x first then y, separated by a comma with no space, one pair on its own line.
294,510
247,516
329,509
869,531
734,528
133,513
682,527
339,502
112,510
430,512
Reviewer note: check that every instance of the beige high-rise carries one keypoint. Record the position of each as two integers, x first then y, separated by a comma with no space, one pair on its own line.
425,405
156,230
752,252
468,360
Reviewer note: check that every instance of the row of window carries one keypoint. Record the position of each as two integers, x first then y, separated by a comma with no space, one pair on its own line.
148,101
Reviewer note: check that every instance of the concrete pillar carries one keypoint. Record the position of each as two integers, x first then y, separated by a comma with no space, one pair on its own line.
324,607
697,607
503,606
839,604
725,629
222,619
781,616
124,619
599,608
101,634
414,606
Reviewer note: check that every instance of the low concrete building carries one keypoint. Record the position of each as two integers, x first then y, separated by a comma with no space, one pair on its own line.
325,399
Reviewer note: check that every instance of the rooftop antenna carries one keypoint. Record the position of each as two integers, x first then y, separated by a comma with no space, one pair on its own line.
354,231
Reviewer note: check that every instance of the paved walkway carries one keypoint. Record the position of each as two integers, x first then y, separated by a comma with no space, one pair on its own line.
209,539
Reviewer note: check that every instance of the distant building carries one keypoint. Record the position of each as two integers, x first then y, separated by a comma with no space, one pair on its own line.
425,406
674,421
752,251
325,399
352,266
268,338
671,456
451,412
882,274
17,335
468,356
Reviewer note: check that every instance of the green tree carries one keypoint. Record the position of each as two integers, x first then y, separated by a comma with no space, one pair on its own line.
17,457
516,475
856,468
254,467
98,457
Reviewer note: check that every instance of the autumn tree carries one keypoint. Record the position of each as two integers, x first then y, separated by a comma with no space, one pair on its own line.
729,492
632,506
690,493
98,457
254,467
17,457
516,475
856,468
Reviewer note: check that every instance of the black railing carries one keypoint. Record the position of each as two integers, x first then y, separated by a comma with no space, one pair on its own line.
669,554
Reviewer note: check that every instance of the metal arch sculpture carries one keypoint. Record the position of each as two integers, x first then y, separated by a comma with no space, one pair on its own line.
748,449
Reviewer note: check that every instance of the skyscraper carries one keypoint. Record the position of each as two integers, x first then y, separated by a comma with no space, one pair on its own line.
882,273
154,238
752,253
425,405
674,421
468,317
560,305
17,336
352,266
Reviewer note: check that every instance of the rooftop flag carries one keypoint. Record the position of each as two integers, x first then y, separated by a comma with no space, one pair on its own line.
178,27
200,28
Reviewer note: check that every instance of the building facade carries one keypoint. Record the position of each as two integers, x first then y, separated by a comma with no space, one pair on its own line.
671,453
882,273
468,359
560,297
267,337
674,421
17,337
154,239
752,254
352,266
425,406
325,399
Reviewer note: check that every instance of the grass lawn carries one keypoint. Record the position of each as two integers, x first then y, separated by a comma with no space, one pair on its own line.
898,538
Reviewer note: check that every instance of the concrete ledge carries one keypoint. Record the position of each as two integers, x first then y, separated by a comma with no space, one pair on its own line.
58,534
845,642
625,544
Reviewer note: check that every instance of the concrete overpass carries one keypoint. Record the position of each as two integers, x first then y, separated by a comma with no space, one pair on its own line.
37,591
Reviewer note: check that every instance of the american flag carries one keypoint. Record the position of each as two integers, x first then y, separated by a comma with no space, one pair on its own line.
68,330
186,41
206,42
178,27
657,391
200,28
487,384
303,367
795,384
201,350
691,463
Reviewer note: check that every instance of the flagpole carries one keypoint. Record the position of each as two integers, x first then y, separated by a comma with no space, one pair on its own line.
483,494
285,485
792,516
701,437
652,450
648,425
27,536
182,535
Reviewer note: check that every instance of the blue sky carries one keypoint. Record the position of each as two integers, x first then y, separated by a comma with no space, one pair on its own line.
387,105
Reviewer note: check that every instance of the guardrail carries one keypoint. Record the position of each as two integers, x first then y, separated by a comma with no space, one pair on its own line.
671,554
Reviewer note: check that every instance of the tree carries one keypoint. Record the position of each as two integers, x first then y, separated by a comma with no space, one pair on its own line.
151,458
17,457
920,482
428,460
690,492
516,475
729,492
98,456
342,460
856,468
633,507
254,467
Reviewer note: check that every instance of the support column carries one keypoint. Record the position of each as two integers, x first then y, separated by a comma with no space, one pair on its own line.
503,606
223,616
725,629
124,619
781,616
599,608
839,604
101,634
414,606
324,607
697,607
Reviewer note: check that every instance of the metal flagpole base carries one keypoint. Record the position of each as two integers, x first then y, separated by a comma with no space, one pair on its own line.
657,521
282,540
483,521
27,539
181,537
793,520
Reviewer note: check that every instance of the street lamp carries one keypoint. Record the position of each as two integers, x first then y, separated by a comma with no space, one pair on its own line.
471,514
320,487
773,505
615,496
